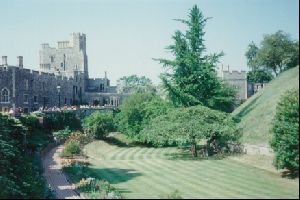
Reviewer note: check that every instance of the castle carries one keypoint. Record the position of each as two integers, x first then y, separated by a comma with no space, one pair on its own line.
63,79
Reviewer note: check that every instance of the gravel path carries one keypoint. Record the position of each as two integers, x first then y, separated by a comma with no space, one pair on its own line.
56,178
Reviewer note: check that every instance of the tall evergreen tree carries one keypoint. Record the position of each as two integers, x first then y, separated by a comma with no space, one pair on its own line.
191,78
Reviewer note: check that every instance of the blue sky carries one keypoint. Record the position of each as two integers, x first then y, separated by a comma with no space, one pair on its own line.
124,36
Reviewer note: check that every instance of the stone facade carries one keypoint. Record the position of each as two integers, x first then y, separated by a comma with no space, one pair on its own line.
238,79
63,79
31,90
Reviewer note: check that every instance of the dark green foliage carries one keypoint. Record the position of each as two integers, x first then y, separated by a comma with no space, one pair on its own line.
37,136
71,148
98,125
259,76
277,52
136,112
188,126
285,140
19,176
224,99
62,134
59,120
191,78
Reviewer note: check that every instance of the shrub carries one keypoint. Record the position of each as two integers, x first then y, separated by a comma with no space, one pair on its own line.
98,125
30,121
285,140
20,177
93,188
60,120
136,112
62,135
174,195
71,148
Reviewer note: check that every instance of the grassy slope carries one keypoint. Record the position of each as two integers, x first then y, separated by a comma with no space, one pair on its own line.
141,172
256,114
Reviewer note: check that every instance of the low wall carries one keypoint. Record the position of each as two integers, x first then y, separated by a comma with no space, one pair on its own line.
257,150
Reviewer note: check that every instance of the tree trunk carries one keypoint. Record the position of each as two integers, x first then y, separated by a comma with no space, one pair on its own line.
194,150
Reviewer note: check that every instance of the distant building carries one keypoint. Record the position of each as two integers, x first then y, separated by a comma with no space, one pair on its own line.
63,79
238,79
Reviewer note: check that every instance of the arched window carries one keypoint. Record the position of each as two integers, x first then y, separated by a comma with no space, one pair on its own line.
4,95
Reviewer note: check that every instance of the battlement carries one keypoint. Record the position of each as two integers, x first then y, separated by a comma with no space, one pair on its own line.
63,44
234,74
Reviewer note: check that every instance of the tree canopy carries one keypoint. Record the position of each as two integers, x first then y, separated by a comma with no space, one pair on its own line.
136,112
276,53
188,126
191,78
134,83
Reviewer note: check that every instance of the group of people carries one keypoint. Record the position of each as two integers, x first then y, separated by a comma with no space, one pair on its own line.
18,111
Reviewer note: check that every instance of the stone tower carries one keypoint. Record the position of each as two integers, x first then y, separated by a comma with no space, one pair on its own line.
68,59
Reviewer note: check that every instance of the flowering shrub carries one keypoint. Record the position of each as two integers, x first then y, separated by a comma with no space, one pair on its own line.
92,187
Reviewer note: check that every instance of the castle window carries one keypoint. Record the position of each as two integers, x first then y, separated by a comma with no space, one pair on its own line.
5,96
26,98
52,59
35,99
61,64
26,84
101,87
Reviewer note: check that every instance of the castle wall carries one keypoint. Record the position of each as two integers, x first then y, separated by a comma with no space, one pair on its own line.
69,56
34,89
238,80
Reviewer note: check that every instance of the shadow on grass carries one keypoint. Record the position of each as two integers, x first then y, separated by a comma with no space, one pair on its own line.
185,154
290,174
114,175
112,140
237,118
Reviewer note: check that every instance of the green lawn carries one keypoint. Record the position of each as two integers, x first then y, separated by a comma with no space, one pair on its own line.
256,114
140,172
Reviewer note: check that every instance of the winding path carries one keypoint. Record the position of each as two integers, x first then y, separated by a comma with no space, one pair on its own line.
56,178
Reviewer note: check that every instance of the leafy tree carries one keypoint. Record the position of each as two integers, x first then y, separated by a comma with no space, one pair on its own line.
188,126
277,52
259,76
285,140
251,54
134,83
136,112
98,124
191,78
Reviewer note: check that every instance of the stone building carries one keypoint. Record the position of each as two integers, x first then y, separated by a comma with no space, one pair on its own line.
237,79
63,79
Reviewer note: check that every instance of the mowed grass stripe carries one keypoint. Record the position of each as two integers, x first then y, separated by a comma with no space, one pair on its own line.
222,171
123,153
199,179
112,176
160,180
190,187
185,176
236,179
142,188
165,178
